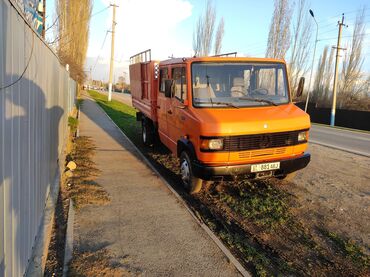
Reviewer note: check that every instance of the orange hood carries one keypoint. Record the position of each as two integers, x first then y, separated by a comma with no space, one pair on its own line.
232,121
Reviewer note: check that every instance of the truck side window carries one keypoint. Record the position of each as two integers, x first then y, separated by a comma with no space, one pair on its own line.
163,76
179,76
184,94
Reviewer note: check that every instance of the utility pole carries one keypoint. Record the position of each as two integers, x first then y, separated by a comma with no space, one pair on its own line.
332,115
112,53
90,78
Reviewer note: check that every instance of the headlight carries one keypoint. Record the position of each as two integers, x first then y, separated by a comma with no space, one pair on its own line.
212,144
302,136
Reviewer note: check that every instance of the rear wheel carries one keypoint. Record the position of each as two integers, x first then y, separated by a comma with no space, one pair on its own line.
192,184
147,132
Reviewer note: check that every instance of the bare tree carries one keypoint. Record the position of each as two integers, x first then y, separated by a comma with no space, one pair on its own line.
352,85
219,37
279,36
302,32
318,87
208,27
323,78
197,37
204,31
327,79
74,20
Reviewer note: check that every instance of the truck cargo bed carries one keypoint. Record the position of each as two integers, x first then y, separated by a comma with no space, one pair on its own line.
144,82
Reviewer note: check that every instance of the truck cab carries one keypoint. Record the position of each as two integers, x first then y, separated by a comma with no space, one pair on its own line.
224,117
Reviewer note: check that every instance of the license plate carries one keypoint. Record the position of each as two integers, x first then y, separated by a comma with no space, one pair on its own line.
265,167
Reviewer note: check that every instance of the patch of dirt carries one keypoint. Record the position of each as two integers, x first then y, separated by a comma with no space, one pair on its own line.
81,186
256,214
334,193
55,258
84,190
94,264
269,226
54,262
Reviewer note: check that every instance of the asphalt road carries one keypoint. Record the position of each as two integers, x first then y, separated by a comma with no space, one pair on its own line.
351,141
123,97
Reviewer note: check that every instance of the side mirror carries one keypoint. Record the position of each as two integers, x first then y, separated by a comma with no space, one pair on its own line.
300,87
168,88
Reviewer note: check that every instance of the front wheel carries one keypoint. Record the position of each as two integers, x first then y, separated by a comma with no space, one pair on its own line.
191,183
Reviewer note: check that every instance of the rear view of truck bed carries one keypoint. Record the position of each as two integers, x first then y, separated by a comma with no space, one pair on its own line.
144,81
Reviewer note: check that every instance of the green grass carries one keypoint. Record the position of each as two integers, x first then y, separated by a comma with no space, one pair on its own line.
251,255
262,264
72,123
350,249
265,206
123,115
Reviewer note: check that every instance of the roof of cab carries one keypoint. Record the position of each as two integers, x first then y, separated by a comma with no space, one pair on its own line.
219,59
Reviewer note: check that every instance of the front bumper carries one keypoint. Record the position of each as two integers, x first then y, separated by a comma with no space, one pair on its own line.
230,172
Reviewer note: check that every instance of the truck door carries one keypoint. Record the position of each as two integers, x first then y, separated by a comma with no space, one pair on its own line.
162,106
175,114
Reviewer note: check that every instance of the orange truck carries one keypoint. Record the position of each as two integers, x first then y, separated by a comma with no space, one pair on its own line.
224,117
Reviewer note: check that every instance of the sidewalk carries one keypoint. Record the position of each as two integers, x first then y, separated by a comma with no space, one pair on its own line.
144,227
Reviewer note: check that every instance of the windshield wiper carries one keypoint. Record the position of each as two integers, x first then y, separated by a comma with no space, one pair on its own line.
258,100
218,103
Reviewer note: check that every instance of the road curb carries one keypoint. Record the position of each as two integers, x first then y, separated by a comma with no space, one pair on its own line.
338,148
208,231
341,128
68,248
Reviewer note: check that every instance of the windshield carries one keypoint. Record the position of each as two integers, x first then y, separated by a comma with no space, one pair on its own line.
238,85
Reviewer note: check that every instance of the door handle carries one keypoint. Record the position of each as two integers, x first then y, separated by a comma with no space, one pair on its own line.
170,112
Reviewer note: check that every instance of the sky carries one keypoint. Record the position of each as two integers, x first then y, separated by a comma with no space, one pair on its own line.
166,27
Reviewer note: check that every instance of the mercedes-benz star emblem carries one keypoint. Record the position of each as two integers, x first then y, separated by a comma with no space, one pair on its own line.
265,141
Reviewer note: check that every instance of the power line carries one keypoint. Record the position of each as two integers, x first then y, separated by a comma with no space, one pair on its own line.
346,13
64,37
329,31
51,26
355,16
101,48
348,36
25,69
94,14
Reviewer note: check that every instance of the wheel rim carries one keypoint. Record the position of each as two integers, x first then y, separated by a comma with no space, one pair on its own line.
185,172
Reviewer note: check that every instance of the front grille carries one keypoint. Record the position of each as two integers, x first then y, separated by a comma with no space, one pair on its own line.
261,153
261,141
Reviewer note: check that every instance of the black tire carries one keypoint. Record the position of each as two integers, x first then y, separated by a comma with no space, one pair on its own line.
191,183
147,132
